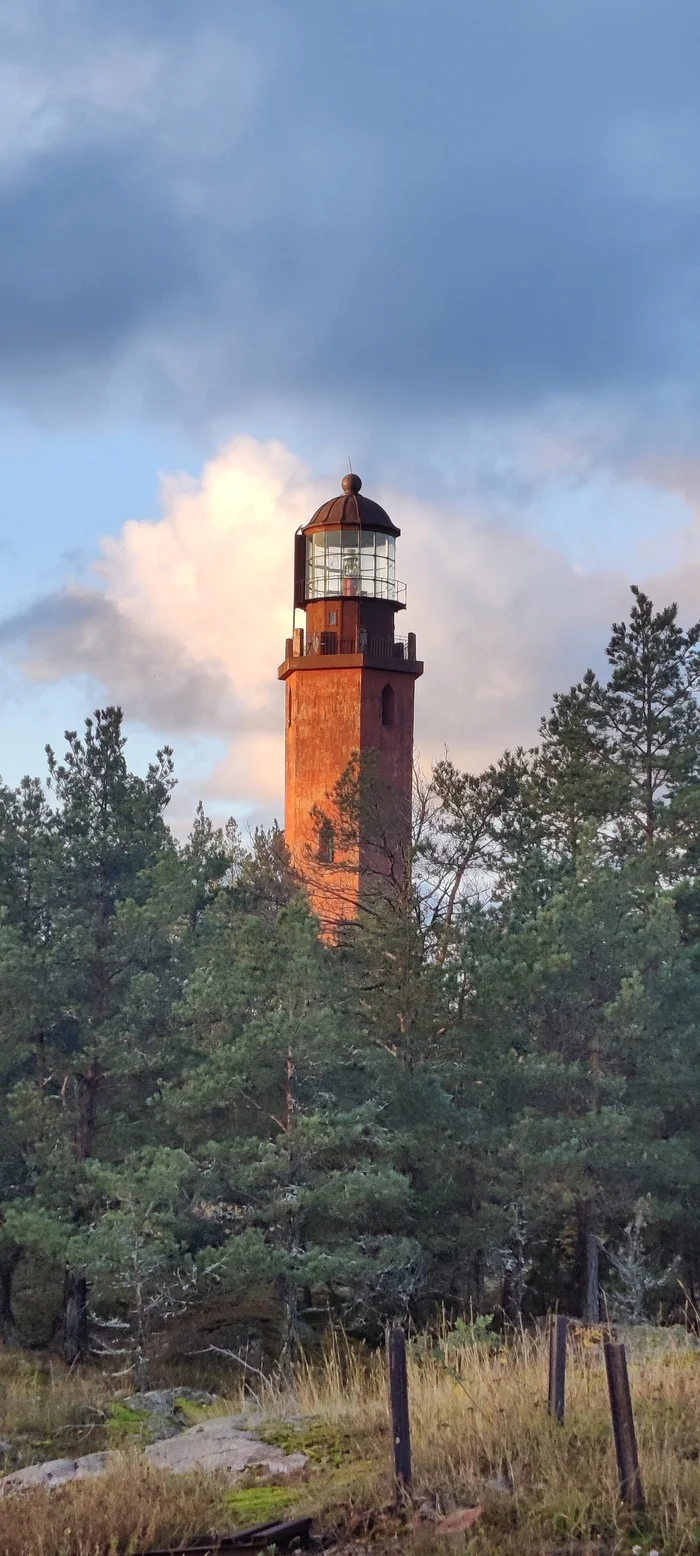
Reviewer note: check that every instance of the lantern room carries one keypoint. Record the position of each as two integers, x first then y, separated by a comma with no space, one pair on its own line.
345,563
345,573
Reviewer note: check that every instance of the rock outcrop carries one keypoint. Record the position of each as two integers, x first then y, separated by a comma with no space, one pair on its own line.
219,1445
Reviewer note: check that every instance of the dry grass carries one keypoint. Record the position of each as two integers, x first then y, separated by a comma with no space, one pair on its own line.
48,1412
481,1417
126,1511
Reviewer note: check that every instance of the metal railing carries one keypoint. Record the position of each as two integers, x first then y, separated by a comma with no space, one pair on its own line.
334,586
319,644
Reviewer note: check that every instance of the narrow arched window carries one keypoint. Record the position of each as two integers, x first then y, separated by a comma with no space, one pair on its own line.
326,843
388,705
289,704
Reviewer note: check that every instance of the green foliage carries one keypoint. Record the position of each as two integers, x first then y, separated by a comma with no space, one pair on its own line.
258,1504
461,1103
319,1440
128,1428
479,1331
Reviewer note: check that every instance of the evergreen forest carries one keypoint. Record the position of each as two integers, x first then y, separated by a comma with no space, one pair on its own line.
221,1131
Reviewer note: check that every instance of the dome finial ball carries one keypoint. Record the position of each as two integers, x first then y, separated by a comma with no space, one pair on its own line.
352,483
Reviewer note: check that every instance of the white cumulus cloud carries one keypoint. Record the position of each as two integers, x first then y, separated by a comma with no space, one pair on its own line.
188,621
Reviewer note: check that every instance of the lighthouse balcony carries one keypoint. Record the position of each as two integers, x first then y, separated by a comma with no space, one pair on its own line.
316,645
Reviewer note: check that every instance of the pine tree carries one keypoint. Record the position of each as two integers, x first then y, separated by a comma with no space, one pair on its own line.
651,712
577,993
282,1115
576,787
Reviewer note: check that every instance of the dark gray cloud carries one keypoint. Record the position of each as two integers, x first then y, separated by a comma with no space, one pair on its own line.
385,204
90,255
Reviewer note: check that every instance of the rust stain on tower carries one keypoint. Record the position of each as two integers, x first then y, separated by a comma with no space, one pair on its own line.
349,693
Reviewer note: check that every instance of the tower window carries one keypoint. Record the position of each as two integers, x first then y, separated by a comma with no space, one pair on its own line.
388,706
289,704
326,843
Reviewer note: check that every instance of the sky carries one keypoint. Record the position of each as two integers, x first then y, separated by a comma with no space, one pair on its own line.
245,241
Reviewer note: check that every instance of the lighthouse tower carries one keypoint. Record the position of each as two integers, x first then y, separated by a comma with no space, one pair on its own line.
349,691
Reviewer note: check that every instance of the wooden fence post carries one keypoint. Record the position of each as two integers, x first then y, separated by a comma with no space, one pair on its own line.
558,1329
398,1401
623,1425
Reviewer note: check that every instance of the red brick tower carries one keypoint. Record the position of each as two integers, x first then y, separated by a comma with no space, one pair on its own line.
349,689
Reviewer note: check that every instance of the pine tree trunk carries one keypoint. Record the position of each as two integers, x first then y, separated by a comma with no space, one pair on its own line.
75,1323
510,1306
478,1281
692,1317
290,1332
141,1369
8,1327
141,1349
513,1291
588,1240
75,1320
88,1087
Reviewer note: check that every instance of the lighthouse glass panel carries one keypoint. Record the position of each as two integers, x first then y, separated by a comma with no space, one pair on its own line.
350,562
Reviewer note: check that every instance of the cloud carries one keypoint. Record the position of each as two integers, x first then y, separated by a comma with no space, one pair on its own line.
503,622
229,211
188,621
192,612
56,313
467,247
82,631
63,81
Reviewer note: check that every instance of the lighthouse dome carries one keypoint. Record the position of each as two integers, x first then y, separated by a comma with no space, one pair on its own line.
351,510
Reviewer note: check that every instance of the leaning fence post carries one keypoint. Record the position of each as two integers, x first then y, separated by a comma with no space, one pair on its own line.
558,1328
398,1402
623,1425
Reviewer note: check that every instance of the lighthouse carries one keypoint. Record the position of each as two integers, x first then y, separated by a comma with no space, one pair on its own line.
349,693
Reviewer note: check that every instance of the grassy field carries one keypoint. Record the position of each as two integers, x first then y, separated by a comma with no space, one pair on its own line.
478,1416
